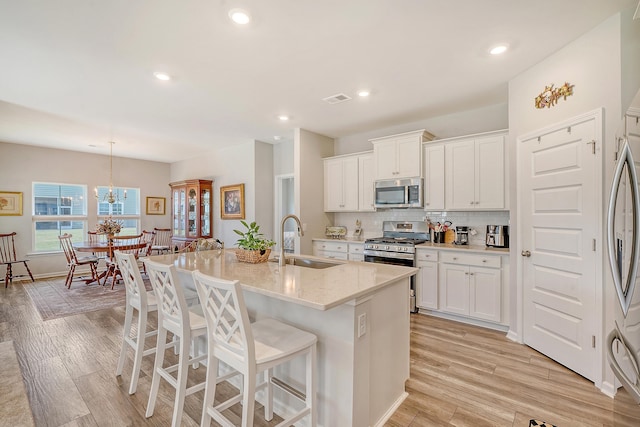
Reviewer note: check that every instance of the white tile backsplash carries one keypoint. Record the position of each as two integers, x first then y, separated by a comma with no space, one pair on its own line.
372,221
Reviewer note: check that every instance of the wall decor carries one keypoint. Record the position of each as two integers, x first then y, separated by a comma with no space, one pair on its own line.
10,203
232,202
156,205
549,96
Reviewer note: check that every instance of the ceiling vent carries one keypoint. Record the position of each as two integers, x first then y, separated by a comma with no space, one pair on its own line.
336,99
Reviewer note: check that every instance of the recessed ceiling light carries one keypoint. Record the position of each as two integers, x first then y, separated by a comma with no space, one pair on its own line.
363,93
277,137
162,76
239,16
498,49
283,118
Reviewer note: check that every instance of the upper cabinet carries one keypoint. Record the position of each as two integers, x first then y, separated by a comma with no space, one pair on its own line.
341,184
433,176
399,156
191,210
366,180
348,183
475,173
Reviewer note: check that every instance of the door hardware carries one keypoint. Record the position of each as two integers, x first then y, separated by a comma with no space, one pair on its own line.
526,254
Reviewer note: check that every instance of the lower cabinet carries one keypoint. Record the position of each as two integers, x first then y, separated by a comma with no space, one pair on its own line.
471,285
356,251
464,284
335,250
427,279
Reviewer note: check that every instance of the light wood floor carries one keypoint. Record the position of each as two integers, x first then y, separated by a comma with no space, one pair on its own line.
463,375
460,376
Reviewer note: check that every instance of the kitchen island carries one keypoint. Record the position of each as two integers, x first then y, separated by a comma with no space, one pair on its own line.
359,311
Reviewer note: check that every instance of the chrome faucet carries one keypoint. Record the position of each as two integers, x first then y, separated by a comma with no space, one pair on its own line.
282,261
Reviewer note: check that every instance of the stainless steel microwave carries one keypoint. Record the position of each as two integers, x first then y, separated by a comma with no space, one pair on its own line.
398,193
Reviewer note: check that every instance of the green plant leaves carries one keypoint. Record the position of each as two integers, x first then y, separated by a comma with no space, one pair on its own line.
252,239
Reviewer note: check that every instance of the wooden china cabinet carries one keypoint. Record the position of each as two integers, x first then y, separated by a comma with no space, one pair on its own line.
191,210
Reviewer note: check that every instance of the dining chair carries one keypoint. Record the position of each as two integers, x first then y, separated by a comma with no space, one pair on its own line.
186,324
8,256
137,298
162,240
250,349
127,244
73,260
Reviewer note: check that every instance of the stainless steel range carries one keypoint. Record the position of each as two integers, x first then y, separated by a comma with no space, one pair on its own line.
398,246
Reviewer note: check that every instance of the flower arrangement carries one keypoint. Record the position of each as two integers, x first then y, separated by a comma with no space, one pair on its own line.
109,226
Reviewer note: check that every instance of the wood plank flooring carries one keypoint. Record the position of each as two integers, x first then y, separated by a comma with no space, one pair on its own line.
460,376
463,375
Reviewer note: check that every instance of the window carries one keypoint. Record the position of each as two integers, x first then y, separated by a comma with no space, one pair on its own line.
58,209
126,210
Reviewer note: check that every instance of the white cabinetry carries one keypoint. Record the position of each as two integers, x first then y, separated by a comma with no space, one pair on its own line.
348,183
399,156
475,173
341,184
335,250
470,285
433,176
356,251
366,181
427,278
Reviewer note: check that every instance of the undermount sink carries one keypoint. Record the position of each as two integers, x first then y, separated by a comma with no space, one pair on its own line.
309,263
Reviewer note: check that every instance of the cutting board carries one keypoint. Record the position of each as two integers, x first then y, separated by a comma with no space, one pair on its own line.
449,236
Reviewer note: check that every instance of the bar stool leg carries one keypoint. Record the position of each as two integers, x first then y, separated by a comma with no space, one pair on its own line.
126,330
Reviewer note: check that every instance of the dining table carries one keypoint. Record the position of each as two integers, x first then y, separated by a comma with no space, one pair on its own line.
105,247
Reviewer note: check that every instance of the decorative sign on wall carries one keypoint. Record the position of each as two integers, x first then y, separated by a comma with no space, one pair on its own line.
549,96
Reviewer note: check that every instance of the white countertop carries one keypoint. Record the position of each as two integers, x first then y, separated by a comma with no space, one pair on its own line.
320,289
465,248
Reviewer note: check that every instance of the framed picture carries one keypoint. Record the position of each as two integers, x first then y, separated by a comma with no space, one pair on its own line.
10,203
156,205
232,202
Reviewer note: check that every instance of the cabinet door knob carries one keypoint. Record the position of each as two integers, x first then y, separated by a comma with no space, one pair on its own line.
526,254
471,202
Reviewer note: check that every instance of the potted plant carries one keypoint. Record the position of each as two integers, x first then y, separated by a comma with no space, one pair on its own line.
254,247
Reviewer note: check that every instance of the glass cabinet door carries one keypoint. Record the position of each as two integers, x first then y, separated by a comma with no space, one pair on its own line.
205,212
178,212
192,226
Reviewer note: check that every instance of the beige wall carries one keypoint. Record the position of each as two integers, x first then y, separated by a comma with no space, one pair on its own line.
309,150
21,165
250,164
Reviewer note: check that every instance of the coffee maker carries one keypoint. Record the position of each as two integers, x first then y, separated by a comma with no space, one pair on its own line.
462,235
497,236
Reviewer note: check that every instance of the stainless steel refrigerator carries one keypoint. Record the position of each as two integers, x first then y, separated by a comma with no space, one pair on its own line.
623,240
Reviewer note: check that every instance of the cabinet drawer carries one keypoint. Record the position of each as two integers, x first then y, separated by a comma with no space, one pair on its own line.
333,255
470,259
356,248
426,255
331,246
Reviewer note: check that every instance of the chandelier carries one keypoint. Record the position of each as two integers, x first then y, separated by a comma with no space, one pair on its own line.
111,196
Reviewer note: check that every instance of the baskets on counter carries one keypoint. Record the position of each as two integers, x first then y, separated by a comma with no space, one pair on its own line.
252,257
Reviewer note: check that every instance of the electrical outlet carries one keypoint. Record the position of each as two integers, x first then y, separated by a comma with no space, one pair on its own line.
362,324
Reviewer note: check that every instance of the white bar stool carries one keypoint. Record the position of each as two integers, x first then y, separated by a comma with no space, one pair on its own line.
186,323
138,298
250,349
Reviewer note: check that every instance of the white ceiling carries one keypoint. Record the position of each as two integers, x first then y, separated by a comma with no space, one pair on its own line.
77,73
